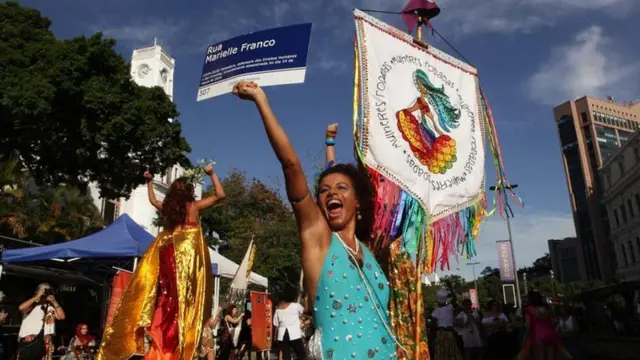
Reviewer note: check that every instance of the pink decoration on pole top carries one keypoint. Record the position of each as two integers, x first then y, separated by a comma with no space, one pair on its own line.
425,9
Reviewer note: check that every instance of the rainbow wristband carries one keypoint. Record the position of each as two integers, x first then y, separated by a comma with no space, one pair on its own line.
330,141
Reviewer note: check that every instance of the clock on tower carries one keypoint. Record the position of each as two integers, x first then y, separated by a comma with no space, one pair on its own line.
152,66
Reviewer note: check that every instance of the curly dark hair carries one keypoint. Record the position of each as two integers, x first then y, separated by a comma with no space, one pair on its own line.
174,206
364,193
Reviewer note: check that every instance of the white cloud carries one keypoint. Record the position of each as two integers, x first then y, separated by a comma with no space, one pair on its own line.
530,234
589,65
143,32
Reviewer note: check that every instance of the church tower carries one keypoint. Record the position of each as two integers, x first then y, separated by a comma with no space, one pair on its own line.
150,66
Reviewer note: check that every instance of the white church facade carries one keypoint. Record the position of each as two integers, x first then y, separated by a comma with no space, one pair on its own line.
150,66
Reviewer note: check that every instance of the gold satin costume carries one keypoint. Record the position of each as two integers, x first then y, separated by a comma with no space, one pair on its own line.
125,336
406,305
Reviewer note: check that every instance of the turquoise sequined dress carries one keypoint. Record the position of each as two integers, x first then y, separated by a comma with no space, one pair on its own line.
348,324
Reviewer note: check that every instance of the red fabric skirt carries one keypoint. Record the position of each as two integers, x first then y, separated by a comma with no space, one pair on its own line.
164,325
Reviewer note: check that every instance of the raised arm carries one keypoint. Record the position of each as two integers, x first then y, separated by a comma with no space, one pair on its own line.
330,143
308,216
234,321
28,305
211,200
152,195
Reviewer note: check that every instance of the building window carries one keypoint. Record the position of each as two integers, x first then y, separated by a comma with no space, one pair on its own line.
625,261
607,139
638,202
623,212
110,211
632,253
615,215
624,136
584,118
632,212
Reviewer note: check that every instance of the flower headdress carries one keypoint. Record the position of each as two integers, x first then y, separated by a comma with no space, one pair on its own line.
195,175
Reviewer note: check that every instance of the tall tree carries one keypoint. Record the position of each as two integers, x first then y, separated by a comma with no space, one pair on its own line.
256,210
70,110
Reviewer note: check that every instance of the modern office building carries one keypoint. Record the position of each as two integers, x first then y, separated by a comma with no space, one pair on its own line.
567,260
590,131
620,177
150,66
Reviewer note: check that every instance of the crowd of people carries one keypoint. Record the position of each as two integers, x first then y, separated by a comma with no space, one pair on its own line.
168,300
537,332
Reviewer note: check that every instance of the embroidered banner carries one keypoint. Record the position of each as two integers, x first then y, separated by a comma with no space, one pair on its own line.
261,321
422,122
505,261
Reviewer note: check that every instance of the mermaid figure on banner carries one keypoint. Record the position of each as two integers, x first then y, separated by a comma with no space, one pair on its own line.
169,296
428,141
346,287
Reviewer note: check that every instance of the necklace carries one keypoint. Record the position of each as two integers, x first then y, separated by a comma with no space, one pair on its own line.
349,249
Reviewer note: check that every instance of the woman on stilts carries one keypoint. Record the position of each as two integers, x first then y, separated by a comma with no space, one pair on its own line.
169,296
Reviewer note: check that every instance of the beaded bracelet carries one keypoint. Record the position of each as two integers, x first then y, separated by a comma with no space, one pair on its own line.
330,141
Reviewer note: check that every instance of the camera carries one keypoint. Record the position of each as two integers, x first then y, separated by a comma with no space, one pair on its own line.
47,292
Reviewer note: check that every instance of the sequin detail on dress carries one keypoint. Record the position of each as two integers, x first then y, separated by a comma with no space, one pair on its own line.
315,345
345,315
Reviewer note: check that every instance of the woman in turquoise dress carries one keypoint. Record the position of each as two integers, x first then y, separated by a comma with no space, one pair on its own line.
346,287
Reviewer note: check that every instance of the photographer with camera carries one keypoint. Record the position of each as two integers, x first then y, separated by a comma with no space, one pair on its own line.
35,340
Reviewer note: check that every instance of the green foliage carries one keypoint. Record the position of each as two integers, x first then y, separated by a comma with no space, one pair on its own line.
540,267
255,209
43,214
538,278
72,113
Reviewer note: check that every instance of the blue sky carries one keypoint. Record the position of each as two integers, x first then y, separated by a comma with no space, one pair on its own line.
531,55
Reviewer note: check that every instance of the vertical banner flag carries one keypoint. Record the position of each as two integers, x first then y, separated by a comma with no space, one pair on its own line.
119,285
505,261
473,296
269,57
261,321
237,294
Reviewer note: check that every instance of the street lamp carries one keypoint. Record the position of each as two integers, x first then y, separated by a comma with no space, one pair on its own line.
513,253
475,280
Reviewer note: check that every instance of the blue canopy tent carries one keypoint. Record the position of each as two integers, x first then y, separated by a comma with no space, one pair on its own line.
123,238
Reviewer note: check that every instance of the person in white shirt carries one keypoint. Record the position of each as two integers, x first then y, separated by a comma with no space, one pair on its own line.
468,326
446,340
287,321
40,315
